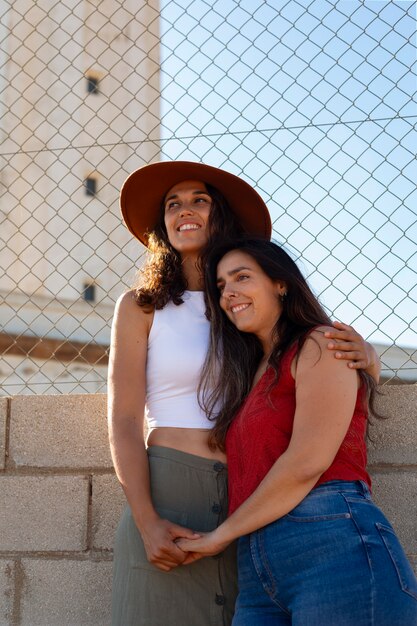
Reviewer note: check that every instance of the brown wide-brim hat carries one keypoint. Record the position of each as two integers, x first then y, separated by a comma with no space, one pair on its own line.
144,190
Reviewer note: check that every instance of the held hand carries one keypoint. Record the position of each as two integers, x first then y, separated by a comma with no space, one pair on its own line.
206,544
160,541
350,346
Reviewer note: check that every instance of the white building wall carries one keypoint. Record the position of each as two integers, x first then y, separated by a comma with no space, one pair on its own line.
55,238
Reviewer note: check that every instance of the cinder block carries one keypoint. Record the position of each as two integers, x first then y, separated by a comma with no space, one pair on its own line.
396,494
43,513
394,438
66,593
108,502
3,418
59,431
7,585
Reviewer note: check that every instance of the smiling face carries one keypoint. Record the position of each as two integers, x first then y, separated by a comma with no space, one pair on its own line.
250,299
187,209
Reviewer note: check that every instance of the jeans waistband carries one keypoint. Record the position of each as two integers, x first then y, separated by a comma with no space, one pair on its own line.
347,486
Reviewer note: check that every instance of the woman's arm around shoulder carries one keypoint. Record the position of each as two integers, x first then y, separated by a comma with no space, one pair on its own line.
126,407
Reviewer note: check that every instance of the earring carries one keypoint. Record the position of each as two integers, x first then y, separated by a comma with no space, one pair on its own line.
283,295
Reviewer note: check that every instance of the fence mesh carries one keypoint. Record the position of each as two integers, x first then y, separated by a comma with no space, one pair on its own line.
313,102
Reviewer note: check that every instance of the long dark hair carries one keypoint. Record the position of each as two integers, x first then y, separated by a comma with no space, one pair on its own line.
234,356
161,279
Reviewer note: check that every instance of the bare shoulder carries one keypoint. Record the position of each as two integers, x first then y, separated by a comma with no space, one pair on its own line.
130,315
316,360
127,358
316,343
129,341
126,304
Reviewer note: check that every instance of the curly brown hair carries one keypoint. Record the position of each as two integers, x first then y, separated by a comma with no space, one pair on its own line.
161,279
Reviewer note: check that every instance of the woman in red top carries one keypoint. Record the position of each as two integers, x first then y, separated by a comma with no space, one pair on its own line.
313,550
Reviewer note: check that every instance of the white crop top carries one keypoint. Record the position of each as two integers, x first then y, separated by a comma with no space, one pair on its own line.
177,346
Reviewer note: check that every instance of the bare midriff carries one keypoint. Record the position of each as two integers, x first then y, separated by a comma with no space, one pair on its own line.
189,440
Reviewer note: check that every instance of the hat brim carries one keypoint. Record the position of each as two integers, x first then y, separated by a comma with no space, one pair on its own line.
144,190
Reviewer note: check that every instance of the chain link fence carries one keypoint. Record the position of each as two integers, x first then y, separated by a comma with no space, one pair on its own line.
313,102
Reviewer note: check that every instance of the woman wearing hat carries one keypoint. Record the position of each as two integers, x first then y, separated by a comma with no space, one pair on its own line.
174,481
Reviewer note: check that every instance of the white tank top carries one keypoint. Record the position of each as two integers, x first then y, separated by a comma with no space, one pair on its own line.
177,346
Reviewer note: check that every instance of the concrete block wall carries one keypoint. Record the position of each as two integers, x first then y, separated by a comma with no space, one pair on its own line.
59,505
392,459
60,502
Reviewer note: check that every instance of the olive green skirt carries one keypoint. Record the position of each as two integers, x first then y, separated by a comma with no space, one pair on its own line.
190,491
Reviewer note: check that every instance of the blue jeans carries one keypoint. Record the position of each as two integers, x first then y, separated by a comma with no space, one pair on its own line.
334,560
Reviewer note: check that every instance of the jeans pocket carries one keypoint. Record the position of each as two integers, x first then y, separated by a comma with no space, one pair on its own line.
320,507
405,574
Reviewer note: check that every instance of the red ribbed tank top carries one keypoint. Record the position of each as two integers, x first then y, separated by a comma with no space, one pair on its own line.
261,432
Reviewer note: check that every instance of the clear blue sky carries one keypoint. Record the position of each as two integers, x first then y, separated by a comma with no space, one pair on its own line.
315,103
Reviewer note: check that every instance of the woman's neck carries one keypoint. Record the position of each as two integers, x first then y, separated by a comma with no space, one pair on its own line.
192,273
267,343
